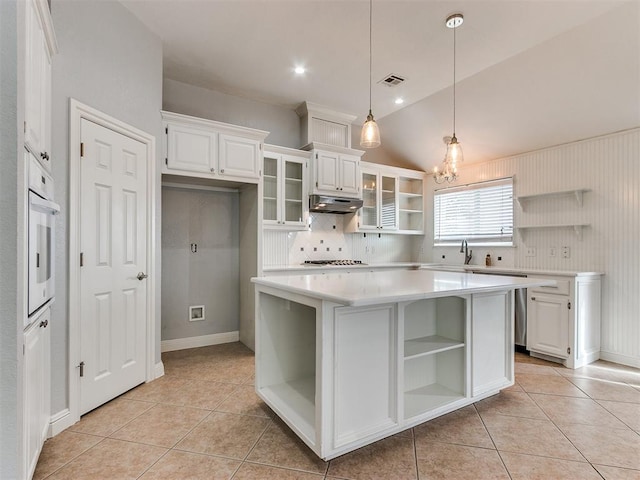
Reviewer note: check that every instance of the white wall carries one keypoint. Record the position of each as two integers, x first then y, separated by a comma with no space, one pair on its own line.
609,167
282,123
10,138
109,61
211,275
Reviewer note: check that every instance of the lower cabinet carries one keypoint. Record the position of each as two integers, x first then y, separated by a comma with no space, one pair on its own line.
343,377
548,328
36,389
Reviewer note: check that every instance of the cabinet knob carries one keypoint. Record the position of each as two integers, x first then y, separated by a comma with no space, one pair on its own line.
44,156
222,170
533,298
44,323
213,170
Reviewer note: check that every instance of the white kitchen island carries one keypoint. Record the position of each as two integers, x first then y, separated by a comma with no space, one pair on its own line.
346,359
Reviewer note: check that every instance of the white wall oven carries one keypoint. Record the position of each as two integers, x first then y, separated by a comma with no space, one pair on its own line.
41,237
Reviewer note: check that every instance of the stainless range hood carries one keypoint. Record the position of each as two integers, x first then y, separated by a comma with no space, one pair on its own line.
328,204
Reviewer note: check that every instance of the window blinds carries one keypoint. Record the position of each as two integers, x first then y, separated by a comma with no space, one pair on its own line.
479,212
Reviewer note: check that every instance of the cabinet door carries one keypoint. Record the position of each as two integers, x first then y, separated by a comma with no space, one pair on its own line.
36,389
239,157
492,346
192,149
388,202
349,177
326,173
365,372
369,211
548,324
34,81
271,189
294,206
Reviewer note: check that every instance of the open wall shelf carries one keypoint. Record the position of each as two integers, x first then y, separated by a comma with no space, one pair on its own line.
577,228
523,199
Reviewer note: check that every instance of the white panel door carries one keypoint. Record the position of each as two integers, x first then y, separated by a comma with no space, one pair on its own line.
349,175
113,241
239,156
548,324
365,372
192,149
326,170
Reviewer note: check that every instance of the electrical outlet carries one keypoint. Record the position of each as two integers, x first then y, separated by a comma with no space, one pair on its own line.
552,251
566,252
531,252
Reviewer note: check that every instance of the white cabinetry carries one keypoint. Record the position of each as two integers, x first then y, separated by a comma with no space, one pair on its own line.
203,148
285,204
563,321
40,46
379,195
36,389
336,171
393,201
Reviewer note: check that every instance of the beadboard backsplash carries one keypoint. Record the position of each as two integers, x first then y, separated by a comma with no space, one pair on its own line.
326,240
609,168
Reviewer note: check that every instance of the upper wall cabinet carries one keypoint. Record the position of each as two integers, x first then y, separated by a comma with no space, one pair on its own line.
393,201
204,148
285,204
40,46
336,171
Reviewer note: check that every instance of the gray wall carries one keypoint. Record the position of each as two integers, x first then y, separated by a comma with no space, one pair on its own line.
9,137
209,277
112,62
282,123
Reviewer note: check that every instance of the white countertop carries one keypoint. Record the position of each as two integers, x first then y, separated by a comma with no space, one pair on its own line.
429,266
372,288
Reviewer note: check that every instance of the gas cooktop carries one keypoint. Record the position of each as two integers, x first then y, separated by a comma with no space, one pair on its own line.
332,262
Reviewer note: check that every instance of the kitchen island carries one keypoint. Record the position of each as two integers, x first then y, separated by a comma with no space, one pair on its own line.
348,359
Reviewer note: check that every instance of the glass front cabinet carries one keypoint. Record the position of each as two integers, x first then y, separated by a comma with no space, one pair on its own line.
285,203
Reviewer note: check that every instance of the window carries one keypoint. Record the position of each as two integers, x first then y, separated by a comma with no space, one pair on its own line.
481,213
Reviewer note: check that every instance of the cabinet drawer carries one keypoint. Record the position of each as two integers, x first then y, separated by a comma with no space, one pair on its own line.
562,286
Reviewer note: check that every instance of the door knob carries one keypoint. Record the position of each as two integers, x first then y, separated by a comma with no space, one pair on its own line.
142,276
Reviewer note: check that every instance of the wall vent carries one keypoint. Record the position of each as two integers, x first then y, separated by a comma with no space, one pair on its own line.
392,80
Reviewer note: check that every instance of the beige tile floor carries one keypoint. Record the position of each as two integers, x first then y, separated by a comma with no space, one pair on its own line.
202,420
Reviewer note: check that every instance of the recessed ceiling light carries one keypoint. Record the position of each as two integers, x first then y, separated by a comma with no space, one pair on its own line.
399,101
299,70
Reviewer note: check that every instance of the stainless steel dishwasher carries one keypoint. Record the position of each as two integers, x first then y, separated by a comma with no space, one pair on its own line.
520,309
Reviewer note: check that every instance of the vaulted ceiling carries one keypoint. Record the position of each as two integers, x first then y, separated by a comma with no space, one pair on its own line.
529,74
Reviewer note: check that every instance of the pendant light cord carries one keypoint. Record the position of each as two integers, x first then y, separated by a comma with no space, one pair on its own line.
370,49
454,80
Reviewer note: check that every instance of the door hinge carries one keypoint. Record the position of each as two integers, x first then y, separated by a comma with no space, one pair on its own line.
166,130
82,149
260,147
316,156
81,367
259,173
166,162
23,349
569,305
82,259
316,184
25,126
568,350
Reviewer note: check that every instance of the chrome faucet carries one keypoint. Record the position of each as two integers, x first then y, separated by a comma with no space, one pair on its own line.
464,248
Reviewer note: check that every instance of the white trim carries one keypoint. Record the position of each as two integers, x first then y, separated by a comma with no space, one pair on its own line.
621,359
59,422
159,369
77,112
201,341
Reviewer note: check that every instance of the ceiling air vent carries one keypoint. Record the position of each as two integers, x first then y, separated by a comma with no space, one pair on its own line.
392,80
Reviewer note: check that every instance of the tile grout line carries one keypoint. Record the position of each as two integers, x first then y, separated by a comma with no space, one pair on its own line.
102,439
491,437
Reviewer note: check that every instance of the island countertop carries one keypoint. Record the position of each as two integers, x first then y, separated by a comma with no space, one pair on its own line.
372,288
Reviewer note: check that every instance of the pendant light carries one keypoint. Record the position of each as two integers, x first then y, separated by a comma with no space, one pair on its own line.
370,136
454,150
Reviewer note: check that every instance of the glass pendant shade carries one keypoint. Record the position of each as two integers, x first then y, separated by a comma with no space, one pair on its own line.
370,135
454,152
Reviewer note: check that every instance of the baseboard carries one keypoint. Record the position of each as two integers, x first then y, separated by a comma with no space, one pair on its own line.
201,341
621,359
159,370
60,422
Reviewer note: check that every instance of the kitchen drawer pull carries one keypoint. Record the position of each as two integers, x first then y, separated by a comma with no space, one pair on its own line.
533,299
